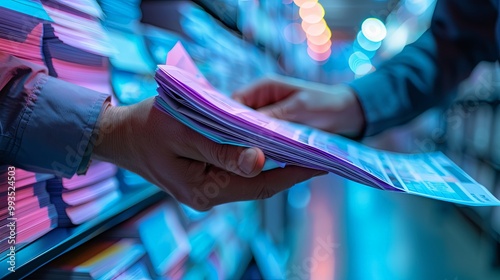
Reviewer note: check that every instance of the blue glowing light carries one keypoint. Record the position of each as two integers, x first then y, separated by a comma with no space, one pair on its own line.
359,63
367,44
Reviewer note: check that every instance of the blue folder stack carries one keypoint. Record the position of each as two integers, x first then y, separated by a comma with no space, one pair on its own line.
76,46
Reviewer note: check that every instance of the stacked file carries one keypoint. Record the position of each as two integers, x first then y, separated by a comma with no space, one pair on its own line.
76,47
132,65
27,213
165,240
188,97
21,29
104,259
82,198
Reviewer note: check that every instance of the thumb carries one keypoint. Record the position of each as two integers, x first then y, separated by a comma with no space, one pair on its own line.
246,162
286,109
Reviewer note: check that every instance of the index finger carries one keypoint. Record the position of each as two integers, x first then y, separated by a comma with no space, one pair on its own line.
221,186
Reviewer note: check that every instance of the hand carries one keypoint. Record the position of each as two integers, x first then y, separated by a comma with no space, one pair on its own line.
330,108
193,169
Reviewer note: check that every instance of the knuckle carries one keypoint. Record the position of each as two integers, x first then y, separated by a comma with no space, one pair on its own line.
302,99
280,112
220,153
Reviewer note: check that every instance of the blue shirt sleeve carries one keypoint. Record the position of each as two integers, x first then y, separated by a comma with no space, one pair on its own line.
46,125
423,75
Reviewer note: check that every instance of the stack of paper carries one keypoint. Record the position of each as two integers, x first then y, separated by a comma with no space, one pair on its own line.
76,47
27,213
105,259
21,29
185,95
82,198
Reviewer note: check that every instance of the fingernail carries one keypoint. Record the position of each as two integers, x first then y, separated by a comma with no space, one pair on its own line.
247,160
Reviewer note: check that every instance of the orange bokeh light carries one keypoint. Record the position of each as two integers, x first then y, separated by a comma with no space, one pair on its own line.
314,29
320,48
312,12
321,38
319,56
301,2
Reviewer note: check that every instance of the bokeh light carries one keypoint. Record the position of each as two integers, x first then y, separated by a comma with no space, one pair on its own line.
319,48
373,29
314,29
321,38
299,3
359,63
312,12
319,56
367,44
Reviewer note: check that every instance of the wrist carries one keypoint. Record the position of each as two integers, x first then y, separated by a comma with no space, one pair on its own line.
113,135
352,122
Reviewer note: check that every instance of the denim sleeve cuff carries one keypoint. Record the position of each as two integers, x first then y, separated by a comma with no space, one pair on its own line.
58,125
86,159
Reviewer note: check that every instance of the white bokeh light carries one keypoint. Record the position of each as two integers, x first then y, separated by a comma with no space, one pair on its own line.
367,44
373,29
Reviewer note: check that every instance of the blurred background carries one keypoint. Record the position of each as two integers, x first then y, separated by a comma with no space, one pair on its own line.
325,228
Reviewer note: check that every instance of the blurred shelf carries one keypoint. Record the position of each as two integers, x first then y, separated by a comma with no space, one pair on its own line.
61,240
